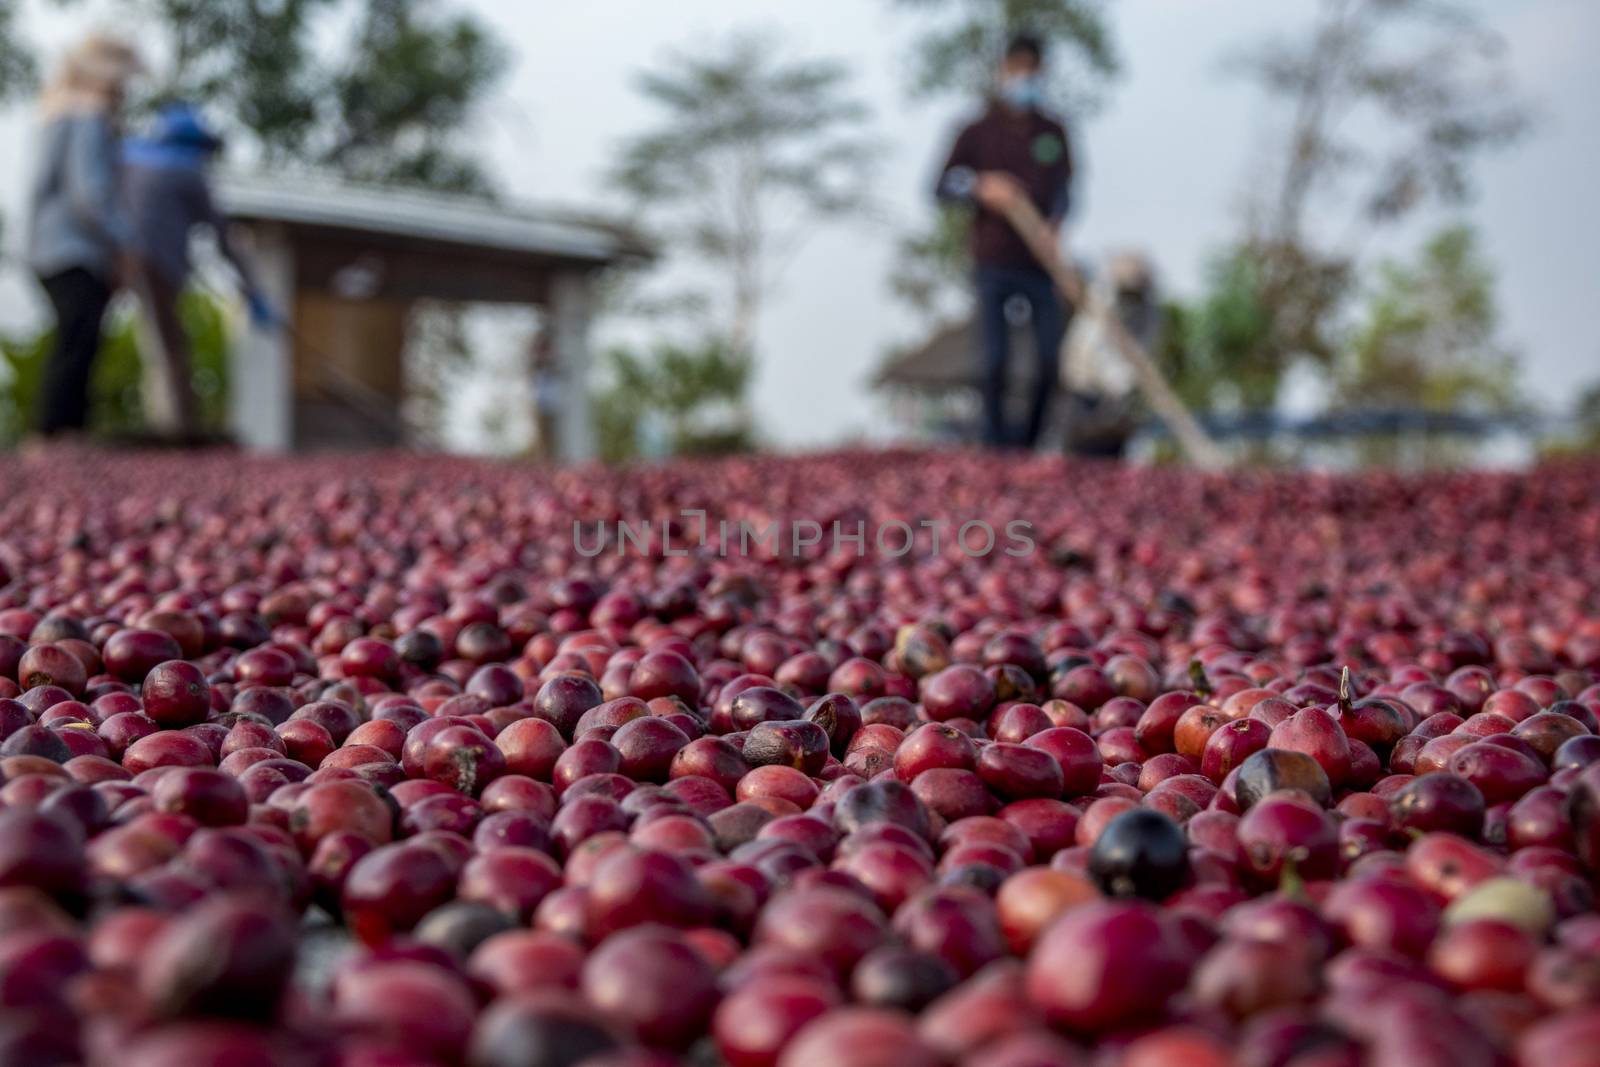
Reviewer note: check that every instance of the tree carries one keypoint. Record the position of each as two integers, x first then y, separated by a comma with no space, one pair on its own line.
957,55
1586,418
696,391
932,273
16,62
393,105
1390,102
1582,432
1213,348
1224,347
407,130
750,153
1388,105
17,68
1587,410
1429,335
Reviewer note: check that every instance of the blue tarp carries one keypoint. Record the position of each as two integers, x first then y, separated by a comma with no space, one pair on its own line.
1263,425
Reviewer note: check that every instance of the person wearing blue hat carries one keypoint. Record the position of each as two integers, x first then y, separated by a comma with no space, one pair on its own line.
165,175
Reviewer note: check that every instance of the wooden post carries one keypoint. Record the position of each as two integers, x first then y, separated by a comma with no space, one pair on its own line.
1191,436
570,312
261,365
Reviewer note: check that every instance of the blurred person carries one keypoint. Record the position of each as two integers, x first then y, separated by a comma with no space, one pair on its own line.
1102,389
546,373
1014,150
169,197
78,231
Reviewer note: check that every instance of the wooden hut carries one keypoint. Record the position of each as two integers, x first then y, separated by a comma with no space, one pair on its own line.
346,263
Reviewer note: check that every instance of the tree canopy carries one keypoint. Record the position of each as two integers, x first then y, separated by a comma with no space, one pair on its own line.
696,392
1387,104
1385,107
393,103
751,149
961,44
1382,108
1429,335
17,68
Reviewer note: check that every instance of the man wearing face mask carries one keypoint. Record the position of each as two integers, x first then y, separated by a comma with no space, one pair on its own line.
1014,150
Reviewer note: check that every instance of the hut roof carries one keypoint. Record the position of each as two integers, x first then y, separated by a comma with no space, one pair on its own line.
949,360
944,361
538,231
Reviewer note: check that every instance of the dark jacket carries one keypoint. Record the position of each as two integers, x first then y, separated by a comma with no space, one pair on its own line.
168,197
1032,148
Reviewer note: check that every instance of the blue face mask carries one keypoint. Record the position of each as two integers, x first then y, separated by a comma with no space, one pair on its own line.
1024,92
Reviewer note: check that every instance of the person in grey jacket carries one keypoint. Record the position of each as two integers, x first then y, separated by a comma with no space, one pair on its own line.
168,197
78,232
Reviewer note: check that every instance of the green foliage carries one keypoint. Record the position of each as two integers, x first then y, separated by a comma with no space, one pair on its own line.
17,68
1429,334
1587,410
933,266
698,392
437,354
751,151
1387,106
1213,349
405,130
1219,350
392,105
22,362
1390,103
251,65
1300,293
1426,337
961,50
1584,436
116,402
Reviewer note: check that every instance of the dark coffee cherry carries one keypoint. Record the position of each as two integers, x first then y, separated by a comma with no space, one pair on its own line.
1274,769
1140,853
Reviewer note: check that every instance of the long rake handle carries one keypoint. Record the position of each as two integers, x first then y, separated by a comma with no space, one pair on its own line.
1197,445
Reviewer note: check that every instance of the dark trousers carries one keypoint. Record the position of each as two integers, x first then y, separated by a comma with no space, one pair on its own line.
171,407
79,299
998,287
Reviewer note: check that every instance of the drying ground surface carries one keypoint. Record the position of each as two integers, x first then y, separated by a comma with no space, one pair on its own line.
851,760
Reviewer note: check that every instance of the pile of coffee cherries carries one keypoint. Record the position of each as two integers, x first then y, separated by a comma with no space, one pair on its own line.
420,762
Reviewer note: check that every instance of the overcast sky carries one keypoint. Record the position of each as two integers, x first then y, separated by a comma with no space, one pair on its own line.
1164,165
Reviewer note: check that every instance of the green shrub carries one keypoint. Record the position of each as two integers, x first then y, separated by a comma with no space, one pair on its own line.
116,403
